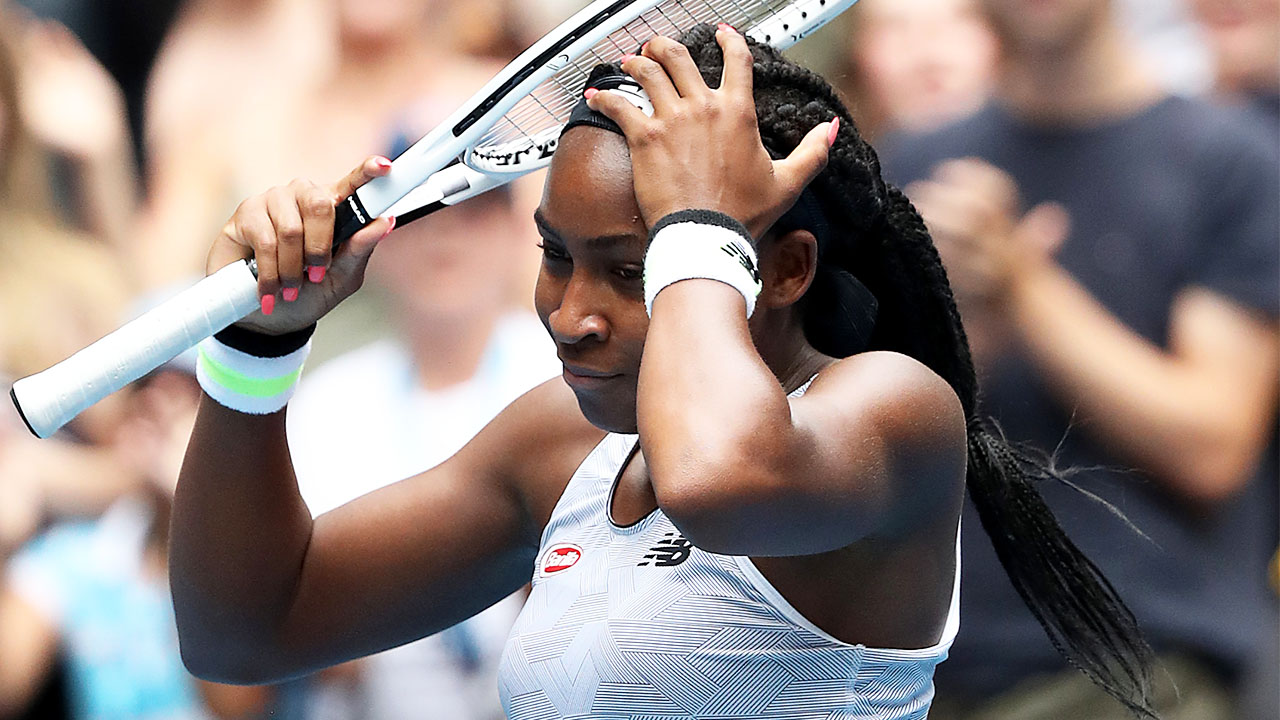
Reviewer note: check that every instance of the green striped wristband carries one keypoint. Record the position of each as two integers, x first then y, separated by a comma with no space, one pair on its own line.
248,383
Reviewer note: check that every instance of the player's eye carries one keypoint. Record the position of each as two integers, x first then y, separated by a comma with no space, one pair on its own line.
553,253
630,273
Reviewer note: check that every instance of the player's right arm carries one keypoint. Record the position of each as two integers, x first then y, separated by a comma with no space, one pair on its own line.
261,591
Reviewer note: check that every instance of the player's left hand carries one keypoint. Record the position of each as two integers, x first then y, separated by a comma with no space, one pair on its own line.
701,149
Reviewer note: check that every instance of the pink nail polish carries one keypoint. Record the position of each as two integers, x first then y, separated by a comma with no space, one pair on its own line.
589,93
382,163
268,304
289,294
390,227
644,47
725,27
315,273
835,128
626,58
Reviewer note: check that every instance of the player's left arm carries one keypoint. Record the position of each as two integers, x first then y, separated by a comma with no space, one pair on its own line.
736,465
877,444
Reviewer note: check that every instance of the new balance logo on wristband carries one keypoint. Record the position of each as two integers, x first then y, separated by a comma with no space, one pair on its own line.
748,262
670,551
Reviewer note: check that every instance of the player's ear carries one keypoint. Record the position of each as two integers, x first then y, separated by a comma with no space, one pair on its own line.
788,263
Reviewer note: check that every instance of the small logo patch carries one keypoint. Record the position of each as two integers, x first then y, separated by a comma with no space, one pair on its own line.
671,550
559,557
737,253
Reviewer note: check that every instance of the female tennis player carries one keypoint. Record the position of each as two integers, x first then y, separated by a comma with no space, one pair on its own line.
741,499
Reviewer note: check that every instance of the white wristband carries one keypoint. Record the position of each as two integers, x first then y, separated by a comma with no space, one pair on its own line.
700,244
248,383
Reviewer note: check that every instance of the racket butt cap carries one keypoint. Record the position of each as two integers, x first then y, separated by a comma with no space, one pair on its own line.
13,395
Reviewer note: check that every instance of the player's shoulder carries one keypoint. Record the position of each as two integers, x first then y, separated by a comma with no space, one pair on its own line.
548,415
910,404
537,443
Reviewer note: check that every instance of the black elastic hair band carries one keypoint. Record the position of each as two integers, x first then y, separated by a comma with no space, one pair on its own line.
602,77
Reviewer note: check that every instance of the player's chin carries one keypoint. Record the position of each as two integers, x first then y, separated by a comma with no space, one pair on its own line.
613,412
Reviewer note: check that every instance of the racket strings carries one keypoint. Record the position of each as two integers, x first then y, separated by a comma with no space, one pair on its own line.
547,108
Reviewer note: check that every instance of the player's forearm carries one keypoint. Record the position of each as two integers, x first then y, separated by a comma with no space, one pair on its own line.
712,416
1129,394
240,532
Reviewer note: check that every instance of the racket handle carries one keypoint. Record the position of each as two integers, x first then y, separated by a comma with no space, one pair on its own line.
52,398
349,217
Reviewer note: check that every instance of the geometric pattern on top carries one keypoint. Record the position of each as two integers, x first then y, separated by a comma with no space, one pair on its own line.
637,624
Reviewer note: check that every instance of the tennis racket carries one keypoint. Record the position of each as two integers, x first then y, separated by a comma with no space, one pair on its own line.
508,129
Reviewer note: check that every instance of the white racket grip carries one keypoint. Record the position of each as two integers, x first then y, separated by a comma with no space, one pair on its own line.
52,398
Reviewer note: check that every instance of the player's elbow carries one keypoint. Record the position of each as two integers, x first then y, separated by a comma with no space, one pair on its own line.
706,491
223,661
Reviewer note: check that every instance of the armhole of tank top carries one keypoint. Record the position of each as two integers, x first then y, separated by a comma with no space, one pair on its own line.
780,603
583,468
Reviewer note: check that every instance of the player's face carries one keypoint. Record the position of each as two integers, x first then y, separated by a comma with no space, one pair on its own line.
590,293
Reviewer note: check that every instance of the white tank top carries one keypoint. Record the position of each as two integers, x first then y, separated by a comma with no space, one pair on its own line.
634,622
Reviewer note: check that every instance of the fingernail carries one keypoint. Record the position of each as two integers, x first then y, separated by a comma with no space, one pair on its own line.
289,294
835,128
726,27
268,304
644,47
382,163
390,227
315,273
626,58
589,93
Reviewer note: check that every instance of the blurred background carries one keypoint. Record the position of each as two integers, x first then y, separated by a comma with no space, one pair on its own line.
1100,176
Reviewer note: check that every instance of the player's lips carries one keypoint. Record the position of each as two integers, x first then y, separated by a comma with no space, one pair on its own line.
586,378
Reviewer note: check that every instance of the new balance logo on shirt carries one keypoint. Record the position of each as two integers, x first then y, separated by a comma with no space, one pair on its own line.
671,550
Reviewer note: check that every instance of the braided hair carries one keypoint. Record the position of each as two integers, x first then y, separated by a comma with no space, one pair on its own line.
878,237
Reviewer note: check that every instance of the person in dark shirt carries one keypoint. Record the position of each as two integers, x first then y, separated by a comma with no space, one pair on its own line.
1114,253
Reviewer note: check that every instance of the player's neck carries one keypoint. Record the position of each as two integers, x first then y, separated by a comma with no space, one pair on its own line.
1102,78
448,351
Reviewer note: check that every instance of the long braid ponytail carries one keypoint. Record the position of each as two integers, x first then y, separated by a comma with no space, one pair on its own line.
880,238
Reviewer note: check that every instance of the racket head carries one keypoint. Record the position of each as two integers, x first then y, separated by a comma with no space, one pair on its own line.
546,81
512,126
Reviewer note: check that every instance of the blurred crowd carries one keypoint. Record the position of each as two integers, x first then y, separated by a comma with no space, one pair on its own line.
1101,177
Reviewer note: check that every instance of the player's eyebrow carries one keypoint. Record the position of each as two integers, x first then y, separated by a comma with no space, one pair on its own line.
599,242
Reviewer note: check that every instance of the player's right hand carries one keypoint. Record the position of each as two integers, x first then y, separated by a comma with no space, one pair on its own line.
288,230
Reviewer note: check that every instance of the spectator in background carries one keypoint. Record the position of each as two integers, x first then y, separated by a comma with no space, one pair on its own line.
1244,36
459,353
98,589
915,65
393,70
59,289
1114,254
64,143
224,67
124,35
